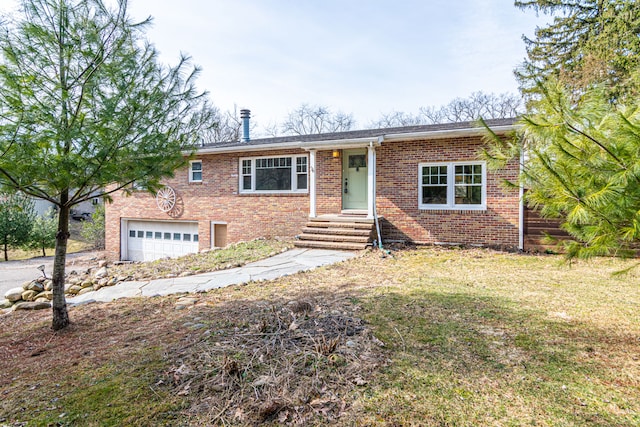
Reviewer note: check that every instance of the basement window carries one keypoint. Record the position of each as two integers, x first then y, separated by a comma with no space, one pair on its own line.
282,174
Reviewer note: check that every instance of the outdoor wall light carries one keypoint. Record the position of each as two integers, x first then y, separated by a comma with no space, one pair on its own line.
336,154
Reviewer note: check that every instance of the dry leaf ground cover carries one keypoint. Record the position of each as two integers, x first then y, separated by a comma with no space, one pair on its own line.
426,336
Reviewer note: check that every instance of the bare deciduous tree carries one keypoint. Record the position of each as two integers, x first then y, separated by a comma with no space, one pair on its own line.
478,104
313,119
227,127
396,119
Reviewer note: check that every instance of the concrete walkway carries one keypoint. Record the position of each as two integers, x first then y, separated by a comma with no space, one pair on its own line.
286,263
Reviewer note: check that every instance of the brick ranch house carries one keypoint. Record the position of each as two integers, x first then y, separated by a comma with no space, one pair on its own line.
423,184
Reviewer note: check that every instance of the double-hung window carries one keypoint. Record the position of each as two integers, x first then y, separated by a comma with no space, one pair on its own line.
280,174
461,186
195,171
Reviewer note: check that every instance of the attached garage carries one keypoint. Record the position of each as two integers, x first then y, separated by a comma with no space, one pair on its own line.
151,240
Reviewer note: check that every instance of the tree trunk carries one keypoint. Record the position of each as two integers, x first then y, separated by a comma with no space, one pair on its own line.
6,256
44,253
60,313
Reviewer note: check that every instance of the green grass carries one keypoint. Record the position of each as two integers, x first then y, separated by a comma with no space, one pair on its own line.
75,244
114,395
20,254
505,340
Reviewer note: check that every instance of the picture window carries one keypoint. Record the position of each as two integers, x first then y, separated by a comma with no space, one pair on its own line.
452,186
286,174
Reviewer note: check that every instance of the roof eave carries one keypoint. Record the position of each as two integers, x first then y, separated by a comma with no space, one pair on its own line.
358,142
449,133
248,147
342,143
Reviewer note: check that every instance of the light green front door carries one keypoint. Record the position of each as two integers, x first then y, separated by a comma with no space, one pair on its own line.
354,179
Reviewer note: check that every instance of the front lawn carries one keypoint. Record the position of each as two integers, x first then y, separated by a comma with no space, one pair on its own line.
424,337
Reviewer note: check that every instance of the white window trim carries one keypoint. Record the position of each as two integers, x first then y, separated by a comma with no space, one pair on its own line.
191,162
451,204
294,175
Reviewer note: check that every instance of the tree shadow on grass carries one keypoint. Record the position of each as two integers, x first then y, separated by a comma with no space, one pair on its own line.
312,354
466,360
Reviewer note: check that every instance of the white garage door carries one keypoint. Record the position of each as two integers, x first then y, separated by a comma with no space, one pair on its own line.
151,240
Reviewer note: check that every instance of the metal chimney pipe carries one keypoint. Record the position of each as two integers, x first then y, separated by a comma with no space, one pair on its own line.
245,115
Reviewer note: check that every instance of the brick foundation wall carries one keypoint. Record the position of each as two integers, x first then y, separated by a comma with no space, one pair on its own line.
397,197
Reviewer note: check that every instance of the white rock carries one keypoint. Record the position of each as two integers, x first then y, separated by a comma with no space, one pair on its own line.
29,295
5,303
14,294
35,286
102,272
31,305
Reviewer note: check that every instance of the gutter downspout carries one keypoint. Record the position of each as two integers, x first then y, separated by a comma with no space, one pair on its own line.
312,184
521,205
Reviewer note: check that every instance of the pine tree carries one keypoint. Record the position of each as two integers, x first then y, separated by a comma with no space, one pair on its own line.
16,221
43,232
588,42
86,110
582,165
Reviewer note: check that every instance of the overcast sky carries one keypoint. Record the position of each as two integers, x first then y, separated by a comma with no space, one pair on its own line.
365,57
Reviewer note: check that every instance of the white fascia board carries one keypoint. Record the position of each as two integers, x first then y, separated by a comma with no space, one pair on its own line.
312,145
248,147
451,133
342,143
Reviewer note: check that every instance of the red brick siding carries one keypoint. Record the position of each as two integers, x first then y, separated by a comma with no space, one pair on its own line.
397,200
329,183
252,216
248,216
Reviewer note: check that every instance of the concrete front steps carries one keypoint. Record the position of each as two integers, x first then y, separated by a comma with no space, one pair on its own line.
343,231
